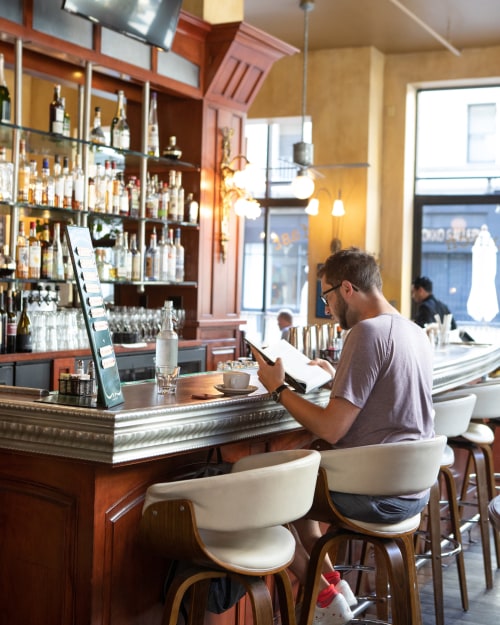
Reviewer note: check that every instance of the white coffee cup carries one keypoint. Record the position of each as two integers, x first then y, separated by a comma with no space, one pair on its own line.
236,379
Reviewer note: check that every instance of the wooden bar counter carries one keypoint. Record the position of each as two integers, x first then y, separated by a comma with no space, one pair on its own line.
72,482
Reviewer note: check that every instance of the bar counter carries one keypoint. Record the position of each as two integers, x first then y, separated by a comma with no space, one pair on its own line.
72,484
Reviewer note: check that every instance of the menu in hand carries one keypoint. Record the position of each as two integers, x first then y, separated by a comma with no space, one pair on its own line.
299,373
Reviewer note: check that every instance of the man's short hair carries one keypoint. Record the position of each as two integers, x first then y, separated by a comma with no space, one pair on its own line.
423,282
286,315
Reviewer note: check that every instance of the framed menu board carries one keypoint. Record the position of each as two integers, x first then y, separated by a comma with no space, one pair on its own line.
109,391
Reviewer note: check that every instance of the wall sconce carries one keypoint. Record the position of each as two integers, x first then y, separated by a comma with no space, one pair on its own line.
303,184
233,190
338,209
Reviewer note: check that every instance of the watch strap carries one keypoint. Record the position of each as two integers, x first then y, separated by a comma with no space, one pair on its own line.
277,392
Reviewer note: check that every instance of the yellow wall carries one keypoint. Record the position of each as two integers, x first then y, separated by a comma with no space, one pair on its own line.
362,104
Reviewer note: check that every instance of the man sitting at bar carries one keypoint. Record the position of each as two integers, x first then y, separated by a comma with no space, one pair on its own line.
381,393
428,305
285,322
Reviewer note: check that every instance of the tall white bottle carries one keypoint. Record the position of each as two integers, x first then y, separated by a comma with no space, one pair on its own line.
167,341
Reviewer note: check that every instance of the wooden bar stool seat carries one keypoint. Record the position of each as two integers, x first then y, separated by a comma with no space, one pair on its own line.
390,469
232,525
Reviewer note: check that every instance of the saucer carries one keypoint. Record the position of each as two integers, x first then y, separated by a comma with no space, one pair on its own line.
235,391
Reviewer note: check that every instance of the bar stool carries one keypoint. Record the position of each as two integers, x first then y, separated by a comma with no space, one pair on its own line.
390,469
451,418
477,442
232,526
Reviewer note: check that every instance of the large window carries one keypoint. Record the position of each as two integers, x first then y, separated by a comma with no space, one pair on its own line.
457,201
275,262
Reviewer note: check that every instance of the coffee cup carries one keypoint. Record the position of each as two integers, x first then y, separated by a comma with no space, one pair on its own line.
236,379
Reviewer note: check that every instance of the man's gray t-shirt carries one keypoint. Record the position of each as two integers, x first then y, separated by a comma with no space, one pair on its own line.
386,371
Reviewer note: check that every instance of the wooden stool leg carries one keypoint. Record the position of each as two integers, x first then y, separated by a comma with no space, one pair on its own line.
285,598
490,476
260,599
434,529
482,501
199,581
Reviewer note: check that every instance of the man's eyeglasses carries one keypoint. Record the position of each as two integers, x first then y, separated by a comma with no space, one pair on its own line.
334,288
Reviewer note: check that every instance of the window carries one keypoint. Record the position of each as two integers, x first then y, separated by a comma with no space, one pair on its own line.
482,133
275,261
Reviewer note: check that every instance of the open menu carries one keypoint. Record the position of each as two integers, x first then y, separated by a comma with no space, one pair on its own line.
299,373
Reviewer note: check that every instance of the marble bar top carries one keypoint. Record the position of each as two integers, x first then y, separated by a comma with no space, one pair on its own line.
148,425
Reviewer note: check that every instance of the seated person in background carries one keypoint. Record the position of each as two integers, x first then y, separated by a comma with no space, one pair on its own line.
428,305
381,393
285,322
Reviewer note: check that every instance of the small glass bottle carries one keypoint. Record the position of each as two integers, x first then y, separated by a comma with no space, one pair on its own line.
47,264
152,259
136,258
66,120
56,112
4,94
192,209
58,183
57,255
11,325
78,193
179,257
23,174
24,337
153,147
35,253
172,150
97,133
120,131
48,184
22,254
6,176
167,341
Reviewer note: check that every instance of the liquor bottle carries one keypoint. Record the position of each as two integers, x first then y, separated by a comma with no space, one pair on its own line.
6,176
172,261
58,183
97,133
136,258
153,147
23,175
128,257
119,259
7,264
69,274
4,94
57,255
78,191
3,323
35,253
134,192
68,184
163,253
11,325
48,184
180,196
67,120
179,257
152,259
163,203
24,338
152,199
47,265
172,150
192,209
167,341
56,112
172,203
35,190
120,131
22,254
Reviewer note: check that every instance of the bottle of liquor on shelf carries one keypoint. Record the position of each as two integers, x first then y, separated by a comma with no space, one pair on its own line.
6,176
97,133
180,196
7,264
3,323
172,258
153,147
124,201
152,199
35,191
152,259
164,200
172,150
68,184
133,190
163,253
58,183
57,254
22,254
24,337
120,259
77,199
128,257
35,252
11,325
67,120
68,265
192,209
4,94
104,267
47,266
48,184
167,341
56,112
136,258
179,257
120,131
172,190
23,174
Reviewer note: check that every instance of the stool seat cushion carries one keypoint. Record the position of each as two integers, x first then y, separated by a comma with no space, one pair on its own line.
253,552
448,458
479,433
389,529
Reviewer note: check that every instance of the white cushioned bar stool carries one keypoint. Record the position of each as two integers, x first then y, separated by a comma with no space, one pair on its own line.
232,525
451,418
390,469
477,442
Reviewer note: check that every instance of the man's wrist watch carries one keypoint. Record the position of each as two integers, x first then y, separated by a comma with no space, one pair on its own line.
275,395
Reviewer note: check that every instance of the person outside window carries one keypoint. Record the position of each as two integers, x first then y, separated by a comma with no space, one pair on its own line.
428,305
285,322
381,393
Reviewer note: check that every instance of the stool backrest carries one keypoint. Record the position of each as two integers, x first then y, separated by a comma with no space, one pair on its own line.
388,469
487,398
263,490
452,415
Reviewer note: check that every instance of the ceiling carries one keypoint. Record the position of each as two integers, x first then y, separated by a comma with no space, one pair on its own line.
380,23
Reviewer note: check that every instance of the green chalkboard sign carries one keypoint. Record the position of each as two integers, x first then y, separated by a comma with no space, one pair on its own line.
109,392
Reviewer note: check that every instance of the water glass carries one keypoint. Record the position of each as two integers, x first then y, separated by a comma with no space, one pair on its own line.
166,379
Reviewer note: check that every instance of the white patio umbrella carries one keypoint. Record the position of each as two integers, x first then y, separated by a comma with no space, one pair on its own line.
482,304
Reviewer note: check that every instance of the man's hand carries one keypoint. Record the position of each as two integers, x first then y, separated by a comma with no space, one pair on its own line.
271,376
